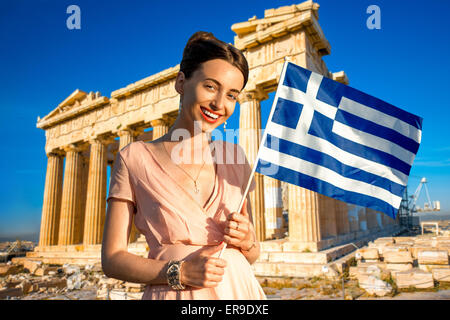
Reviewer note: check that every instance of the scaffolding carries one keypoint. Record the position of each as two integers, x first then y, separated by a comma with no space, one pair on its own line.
404,212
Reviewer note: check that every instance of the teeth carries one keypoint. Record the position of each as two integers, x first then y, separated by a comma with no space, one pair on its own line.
212,115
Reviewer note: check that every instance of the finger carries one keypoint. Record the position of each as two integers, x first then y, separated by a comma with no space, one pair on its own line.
239,234
233,241
244,211
211,250
238,226
215,269
237,217
218,262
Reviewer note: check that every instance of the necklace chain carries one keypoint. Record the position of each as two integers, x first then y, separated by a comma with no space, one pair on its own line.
196,190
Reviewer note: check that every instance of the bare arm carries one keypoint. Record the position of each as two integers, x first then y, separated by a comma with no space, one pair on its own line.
117,262
201,270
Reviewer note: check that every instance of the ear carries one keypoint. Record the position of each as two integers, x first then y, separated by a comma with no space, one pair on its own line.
179,82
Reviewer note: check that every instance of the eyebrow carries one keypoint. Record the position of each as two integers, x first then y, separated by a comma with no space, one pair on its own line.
219,84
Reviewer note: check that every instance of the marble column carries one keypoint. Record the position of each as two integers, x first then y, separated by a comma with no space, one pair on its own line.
362,218
52,201
274,208
342,221
160,128
371,216
327,213
249,140
353,218
82,196
70,205
126,137
304,219
385,220
96,194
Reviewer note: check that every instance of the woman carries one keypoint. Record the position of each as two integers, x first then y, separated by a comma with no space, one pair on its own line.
185,208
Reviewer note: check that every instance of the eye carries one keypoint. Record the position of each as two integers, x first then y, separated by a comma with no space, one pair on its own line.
210,86
233,97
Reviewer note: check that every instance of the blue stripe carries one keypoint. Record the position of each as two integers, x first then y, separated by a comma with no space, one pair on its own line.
331,92
377,130
296,77
321,127
327,189
324,160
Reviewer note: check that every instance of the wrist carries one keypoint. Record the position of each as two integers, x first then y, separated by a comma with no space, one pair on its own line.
173,274
250,246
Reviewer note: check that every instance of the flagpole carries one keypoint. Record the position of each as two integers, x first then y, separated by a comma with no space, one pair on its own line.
263,140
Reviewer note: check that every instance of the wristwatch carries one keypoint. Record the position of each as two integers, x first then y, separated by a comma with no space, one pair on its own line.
173,275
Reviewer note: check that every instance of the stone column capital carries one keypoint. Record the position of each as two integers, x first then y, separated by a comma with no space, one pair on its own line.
72,148
126,131
55,153
101,140
251,95
159,122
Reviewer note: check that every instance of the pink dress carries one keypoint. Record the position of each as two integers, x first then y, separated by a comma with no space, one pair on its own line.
176,225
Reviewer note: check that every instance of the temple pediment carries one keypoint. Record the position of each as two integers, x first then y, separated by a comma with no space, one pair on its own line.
77,102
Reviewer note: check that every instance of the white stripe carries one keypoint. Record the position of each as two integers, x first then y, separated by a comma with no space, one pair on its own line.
328,175
372,141
298,96
380,118
330,149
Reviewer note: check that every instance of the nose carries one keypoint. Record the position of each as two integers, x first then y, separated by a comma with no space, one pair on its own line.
218,103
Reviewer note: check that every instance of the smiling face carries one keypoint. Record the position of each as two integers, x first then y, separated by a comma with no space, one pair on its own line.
210,95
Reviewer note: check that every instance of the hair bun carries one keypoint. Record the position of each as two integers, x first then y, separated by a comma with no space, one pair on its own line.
201,36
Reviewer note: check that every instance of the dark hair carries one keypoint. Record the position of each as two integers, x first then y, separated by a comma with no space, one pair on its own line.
204,46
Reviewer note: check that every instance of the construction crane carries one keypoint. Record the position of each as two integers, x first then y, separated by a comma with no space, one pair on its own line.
428,206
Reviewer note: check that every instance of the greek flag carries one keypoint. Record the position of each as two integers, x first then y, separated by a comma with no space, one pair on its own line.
338,141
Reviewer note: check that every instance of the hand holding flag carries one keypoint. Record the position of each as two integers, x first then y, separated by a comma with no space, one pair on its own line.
239,230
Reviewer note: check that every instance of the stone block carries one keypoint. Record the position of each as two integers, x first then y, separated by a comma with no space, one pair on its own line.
299,257
433,257
404,239
374,286
426,242
271,245
399,266
52,283
11,292
31,265
384,240
414,278
264,256
441,274
367,254
397,257
7,269
416,249
431,267
27,286
374,270
444,248
379,264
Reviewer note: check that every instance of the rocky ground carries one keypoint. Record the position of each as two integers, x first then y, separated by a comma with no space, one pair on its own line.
397,268
70,282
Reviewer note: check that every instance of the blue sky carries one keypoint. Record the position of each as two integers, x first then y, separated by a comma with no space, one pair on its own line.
404,63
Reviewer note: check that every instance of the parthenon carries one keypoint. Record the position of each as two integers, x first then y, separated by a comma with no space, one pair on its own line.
86,130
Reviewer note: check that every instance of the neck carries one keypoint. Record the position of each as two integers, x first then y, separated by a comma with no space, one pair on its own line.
187,140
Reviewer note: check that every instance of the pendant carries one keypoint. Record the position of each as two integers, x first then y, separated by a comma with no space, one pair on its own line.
196,190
